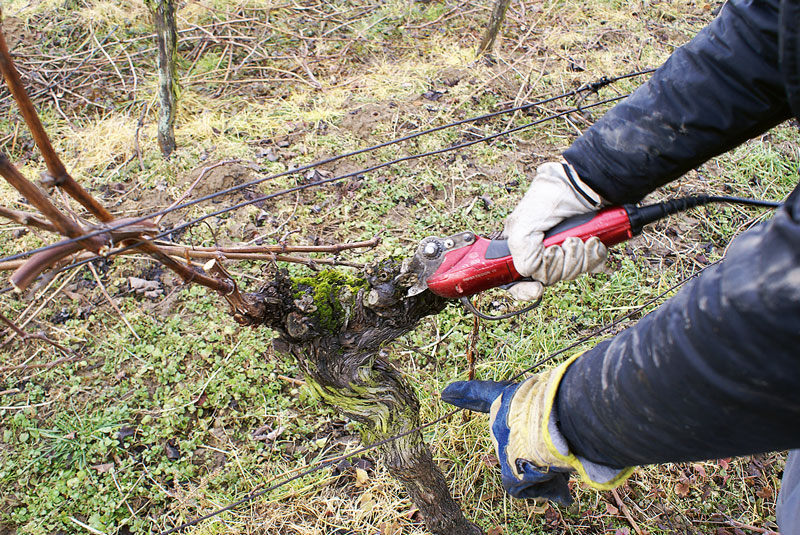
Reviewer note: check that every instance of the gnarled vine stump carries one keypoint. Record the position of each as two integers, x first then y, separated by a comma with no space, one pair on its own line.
334,325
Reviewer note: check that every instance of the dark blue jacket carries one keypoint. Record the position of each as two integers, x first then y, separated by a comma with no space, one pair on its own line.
715,371
737,78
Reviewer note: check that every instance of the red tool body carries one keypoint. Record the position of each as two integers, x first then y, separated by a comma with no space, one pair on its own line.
464,264
485,264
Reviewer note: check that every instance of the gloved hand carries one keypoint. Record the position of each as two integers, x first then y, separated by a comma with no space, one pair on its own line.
555,194
534,456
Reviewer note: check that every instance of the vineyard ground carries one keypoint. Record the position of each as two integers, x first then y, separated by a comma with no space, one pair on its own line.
172,410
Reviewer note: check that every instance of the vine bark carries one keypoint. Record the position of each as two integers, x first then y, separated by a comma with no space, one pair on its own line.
495,22
334,325
167,41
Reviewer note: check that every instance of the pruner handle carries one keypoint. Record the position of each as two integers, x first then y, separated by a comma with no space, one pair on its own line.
488,264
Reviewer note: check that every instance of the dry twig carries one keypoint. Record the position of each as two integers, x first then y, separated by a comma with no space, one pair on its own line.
28,336
626,512
26,218
111,301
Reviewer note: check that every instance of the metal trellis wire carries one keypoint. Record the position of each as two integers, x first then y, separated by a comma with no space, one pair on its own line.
294,189
592,87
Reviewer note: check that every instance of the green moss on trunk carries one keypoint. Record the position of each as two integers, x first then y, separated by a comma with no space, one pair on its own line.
332,292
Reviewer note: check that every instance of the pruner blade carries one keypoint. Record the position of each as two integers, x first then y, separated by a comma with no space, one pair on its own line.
424,263
429,257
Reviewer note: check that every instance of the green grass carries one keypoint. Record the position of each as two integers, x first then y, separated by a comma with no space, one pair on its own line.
194,380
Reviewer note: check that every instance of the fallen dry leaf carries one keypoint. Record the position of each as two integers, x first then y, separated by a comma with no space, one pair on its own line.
765,492
540,507
490,460
103,468
172,449
699,469
391,528
682,489
267,434
75,296
366,502
361,477
551,515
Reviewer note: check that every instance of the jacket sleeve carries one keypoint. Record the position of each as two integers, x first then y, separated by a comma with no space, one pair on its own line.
714,372
720,89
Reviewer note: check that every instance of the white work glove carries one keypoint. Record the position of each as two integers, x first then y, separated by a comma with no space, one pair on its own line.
551,198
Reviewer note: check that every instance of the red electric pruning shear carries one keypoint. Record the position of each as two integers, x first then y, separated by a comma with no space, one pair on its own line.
464,264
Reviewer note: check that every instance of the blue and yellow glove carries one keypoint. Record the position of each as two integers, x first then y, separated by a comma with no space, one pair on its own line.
534,456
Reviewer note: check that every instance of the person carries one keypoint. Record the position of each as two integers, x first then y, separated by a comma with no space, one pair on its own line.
715,371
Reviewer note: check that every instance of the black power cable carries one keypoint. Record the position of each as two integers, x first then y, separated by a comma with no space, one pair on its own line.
744,201
642,215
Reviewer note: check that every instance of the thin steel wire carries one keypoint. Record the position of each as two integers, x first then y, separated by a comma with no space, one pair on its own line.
592,86
301,187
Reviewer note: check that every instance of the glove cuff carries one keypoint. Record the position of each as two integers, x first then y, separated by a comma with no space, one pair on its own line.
597,476
586,194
